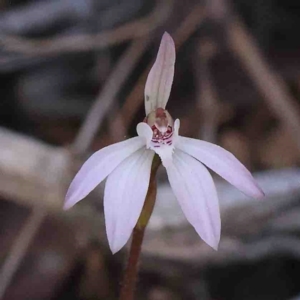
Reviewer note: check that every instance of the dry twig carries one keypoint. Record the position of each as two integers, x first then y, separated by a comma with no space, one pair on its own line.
270,84
87,42
20,247
30,168
107,96
267,81
208,103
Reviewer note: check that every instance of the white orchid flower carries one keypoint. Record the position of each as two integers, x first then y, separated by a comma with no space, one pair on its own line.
127,166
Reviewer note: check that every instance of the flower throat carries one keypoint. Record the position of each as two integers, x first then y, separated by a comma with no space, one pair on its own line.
161,124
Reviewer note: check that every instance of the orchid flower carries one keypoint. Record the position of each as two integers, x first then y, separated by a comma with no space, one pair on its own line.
127,166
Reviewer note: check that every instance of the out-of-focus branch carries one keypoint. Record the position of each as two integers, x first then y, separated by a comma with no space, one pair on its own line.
116,129
208,103
20,247
107,96
87,42
267,81
29,169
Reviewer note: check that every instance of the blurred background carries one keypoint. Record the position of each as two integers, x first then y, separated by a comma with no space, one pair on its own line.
72,80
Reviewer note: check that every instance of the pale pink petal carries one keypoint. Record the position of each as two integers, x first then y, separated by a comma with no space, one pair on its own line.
160,78
165,152
98,166
125,191
144,131
223,163
176,131
195,191
176,127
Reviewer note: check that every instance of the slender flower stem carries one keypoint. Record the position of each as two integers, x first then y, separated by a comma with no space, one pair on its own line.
130,275
129,281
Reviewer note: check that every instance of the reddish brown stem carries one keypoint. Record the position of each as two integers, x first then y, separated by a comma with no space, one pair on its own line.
129,281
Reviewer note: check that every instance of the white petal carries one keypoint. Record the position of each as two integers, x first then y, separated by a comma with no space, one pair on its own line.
98,166
176,127
125,191
160,78
223,163
144,131
195,191
165,153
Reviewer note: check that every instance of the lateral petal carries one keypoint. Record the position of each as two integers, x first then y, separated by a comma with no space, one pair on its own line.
223,163
98,166
195,191
144,131
124,196
160,78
